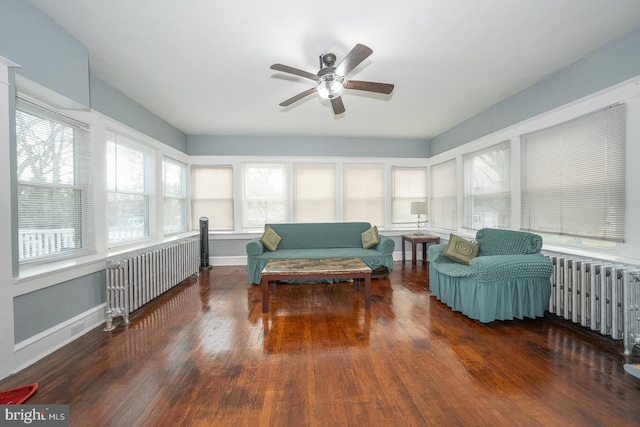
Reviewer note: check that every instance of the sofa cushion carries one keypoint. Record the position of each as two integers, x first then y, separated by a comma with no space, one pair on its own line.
461,250
270,239
370,237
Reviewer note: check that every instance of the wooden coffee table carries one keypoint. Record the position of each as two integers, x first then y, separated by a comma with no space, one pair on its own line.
315,269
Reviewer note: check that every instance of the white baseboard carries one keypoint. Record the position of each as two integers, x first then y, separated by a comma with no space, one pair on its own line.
228,260
46,342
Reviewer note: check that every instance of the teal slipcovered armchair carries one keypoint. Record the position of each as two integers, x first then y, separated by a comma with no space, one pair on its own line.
508,279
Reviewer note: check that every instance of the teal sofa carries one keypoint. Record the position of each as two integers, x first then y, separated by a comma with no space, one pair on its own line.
510,278
319,240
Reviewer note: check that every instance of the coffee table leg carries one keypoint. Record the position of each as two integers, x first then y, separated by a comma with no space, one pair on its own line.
367,291
264,283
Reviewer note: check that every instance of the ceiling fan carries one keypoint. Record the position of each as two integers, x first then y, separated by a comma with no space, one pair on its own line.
331,79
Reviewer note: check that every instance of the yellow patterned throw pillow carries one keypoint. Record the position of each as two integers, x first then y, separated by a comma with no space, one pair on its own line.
461,250
370,238
270,239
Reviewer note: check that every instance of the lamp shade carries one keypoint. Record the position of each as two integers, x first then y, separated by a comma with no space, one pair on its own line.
419,208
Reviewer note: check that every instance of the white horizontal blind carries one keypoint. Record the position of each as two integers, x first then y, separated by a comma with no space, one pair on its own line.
212,197
364,193
487,188
174,182
444,195
128,196
573,177
409,185
314,192
264,194
55,200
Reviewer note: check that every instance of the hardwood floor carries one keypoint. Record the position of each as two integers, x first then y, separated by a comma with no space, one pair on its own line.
204,355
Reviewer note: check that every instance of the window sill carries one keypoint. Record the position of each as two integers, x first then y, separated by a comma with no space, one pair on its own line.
41,276
33,278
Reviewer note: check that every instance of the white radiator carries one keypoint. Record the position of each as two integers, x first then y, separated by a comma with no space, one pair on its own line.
135,278
599,295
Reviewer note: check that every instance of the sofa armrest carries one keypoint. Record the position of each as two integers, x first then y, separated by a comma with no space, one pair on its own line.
254,247
386,245
500,267
436,252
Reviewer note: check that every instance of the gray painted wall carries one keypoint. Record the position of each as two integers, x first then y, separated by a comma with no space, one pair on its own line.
612,64
49,56
306,146
116,105
55,68
40,310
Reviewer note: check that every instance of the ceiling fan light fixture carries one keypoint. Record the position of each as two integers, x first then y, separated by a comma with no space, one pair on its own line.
330,86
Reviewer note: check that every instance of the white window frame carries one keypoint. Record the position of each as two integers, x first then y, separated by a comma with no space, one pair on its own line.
252,198
402,197
474,170
180,198
443,209
573,177
202,196
149,216
46,247
363,192
316,203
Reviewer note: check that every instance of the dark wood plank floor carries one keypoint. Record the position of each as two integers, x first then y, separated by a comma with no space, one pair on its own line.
204,354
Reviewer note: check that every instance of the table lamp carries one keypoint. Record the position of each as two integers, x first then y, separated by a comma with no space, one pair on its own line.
419,208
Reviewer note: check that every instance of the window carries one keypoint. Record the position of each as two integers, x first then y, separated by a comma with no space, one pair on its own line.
314,192
364,193
128,195
174,182
264,194
444,195
55,201
573,178
212,197
487,183
409,185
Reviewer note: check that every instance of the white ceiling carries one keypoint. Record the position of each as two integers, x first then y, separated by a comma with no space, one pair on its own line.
203,65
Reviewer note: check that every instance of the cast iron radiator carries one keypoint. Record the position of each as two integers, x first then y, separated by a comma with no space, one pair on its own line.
135,278
601,296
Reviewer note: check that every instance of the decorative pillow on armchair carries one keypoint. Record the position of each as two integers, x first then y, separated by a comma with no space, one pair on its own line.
270,239
461,250
370,237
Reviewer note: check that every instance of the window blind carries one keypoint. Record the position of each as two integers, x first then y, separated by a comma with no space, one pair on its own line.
212,197
364,193
314,192
55,188
573,177
444,195
409,185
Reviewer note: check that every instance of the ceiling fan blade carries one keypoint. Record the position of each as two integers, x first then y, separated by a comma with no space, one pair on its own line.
358,54
291,70
298,97
338,106
385,88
